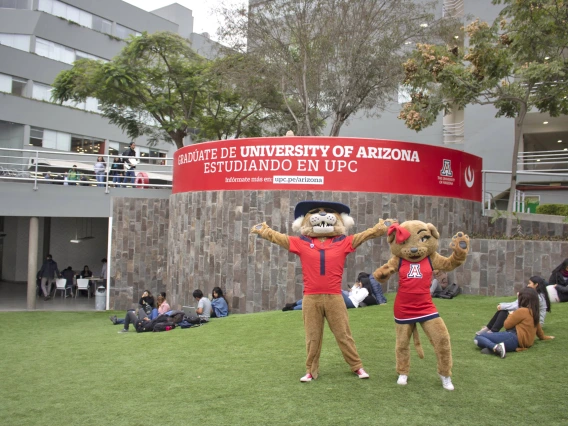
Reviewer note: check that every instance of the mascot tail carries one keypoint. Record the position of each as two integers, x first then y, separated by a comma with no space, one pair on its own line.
417,343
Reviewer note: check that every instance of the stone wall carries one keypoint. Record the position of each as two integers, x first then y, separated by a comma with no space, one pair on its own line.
139,249
528,227
209,243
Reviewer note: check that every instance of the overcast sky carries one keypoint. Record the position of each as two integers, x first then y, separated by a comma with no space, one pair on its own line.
203,19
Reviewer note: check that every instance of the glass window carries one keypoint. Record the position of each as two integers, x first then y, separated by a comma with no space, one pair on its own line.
159,154
5,83
102,25
19,86
54,51
41,92
85,145
49,139
143,153
92,104
45,6
36,136
17,41
15,4
113,148
123,32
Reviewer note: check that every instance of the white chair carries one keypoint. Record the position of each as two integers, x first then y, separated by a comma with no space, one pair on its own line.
60,285
83,284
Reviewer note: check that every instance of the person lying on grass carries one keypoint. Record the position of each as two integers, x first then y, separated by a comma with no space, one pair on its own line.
504,309
146,310
522,326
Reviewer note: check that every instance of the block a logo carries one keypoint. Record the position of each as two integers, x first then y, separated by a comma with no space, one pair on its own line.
446,168
414,271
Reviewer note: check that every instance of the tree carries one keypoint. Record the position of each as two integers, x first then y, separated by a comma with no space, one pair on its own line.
516,64
329,58
153,87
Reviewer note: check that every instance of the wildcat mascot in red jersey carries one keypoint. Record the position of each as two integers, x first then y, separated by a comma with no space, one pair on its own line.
323,246
413,245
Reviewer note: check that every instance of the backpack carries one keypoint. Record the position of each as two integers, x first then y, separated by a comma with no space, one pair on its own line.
164,326
143,326
450,292
176,317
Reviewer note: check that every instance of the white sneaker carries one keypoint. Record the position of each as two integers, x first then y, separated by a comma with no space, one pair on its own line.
402,379
307,378
362,374
447,382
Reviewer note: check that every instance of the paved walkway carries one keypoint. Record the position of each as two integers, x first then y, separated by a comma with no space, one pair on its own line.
13,298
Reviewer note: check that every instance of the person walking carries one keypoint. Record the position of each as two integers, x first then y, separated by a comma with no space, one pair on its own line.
48,273
130,174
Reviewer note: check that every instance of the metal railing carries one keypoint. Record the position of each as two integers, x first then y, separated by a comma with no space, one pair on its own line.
76,169
454,133
453,9
547,161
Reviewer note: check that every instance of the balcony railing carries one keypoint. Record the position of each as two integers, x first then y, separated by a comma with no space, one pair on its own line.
73,169
454,133
549,161
453,9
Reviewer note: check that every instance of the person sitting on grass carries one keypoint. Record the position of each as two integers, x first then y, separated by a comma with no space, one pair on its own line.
522,326
219,306
376,289
163,306
558,282
504,309
352,298
146,310
203,305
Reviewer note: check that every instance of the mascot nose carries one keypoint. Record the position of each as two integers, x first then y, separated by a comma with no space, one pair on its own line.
413,250
322,213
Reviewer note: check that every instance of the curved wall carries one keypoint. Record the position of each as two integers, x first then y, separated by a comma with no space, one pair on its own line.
209,243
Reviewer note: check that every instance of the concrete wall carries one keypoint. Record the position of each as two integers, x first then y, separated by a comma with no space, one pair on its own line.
15,251
139,250
179,15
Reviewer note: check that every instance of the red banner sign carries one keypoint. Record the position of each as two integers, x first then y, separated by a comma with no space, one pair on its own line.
327,164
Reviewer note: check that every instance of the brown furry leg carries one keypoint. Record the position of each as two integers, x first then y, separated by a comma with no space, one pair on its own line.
403,333
338,320
440,338
313,312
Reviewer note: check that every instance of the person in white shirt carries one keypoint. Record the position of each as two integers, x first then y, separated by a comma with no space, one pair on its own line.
203,305
355,295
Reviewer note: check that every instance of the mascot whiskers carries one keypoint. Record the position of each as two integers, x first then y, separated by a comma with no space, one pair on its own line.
323,246
414,246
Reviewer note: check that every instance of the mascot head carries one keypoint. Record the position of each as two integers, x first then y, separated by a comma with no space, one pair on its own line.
413,240
322,219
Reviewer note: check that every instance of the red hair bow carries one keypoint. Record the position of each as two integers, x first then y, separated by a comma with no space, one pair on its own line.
402,234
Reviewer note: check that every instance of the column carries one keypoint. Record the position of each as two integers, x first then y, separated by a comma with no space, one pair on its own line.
32,261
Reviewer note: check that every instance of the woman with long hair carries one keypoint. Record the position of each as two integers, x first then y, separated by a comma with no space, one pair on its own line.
522,326
162,304
504,309
219,305
558,281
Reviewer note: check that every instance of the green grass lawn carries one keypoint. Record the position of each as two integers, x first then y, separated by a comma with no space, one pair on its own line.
73,368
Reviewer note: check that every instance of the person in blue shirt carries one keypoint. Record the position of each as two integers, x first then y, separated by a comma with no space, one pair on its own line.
219,305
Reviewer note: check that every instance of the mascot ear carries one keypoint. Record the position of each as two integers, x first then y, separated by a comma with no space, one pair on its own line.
348,221
433,230
297,224
391,237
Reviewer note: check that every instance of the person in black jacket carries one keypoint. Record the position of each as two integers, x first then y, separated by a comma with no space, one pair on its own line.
146,311
68,274
559,279
48,273
130,174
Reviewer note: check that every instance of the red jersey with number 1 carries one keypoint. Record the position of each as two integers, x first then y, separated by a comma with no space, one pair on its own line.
413,302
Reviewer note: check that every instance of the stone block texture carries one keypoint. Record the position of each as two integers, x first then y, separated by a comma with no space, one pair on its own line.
139,249
209,242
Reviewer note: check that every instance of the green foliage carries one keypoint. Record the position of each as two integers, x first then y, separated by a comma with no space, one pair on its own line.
245,370
159,87
554,209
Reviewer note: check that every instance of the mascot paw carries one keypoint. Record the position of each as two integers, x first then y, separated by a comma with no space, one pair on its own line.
460,242
259,229
383,225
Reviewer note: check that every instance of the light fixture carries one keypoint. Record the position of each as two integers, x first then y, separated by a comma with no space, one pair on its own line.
565,149
546,58
407,42
559,140
537,160
456,37
545,122
424,25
